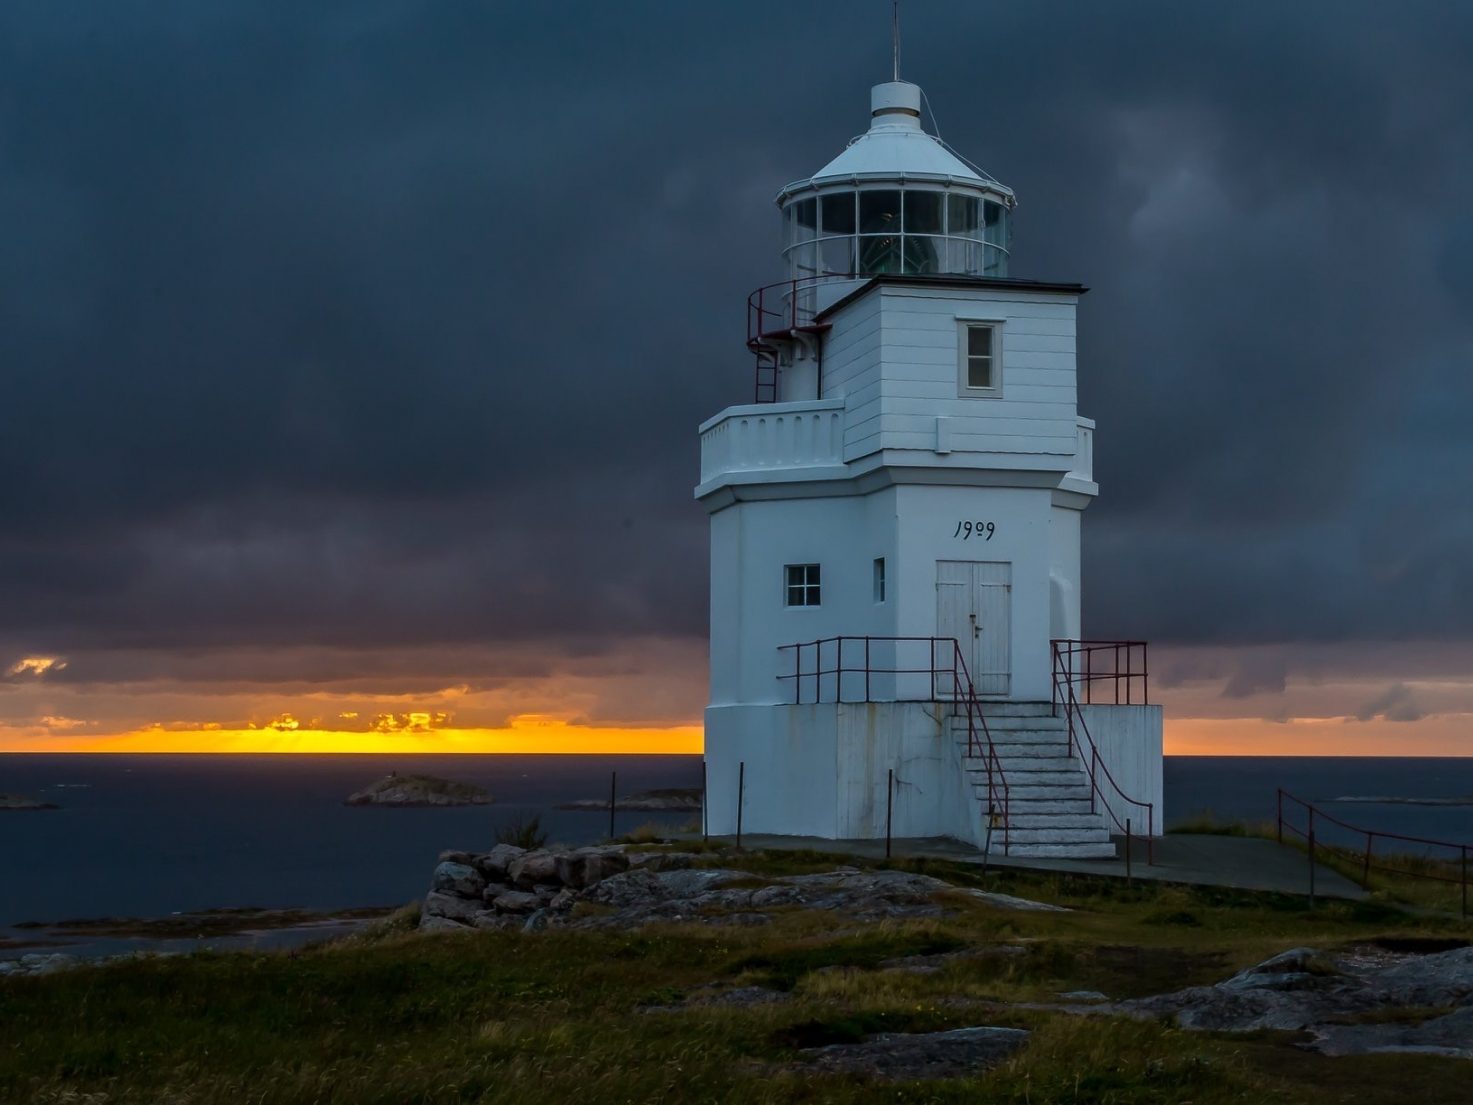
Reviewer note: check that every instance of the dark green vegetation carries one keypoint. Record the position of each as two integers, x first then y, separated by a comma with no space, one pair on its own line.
524,832
392,1017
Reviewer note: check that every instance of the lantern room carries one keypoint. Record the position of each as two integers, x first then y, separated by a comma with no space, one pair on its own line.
897,201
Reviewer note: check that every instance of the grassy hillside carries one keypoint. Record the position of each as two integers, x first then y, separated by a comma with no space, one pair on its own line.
564,1016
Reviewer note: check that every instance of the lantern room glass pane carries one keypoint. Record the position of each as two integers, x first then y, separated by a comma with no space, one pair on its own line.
836,255
879,212
837,213
963,256
961,216
923,212
879,254
924,254
805,219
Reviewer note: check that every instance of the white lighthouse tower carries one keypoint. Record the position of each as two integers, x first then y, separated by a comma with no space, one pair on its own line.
895,532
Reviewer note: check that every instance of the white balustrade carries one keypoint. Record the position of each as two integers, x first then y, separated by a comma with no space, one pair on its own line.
765,436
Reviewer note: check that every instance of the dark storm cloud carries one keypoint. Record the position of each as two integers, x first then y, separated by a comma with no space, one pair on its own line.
392,323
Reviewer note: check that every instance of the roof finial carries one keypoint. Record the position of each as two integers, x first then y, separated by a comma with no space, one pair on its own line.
895,38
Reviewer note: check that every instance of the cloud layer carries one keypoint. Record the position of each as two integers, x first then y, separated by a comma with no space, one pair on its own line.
386,327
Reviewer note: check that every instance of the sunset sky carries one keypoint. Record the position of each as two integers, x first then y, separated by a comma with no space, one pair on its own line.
353,353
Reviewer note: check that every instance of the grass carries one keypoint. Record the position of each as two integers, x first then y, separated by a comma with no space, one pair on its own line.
389,1016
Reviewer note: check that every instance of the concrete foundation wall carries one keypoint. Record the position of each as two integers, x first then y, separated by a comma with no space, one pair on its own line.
1129,741
821,770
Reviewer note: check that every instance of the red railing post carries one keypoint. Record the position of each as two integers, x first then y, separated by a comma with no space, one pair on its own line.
1094,760
1145,675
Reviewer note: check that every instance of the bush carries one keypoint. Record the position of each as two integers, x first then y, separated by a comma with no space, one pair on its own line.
524,832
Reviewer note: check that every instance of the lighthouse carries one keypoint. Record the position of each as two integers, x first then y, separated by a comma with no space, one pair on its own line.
896,647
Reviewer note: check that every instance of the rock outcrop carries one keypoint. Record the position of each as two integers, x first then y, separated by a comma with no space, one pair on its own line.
668,800
915,1055
1349,1003
418,790
609,887
21,802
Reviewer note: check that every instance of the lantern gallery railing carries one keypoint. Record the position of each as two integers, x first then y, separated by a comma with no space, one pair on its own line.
1101,673
900,669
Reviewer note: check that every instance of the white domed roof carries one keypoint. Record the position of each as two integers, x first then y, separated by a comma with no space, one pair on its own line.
896,147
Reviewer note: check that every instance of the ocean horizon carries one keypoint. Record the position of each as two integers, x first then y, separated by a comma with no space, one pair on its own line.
147,835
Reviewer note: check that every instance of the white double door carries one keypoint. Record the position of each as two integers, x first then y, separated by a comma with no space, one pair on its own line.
974,605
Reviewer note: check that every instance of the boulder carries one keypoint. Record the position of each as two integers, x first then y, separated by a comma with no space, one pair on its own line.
451,855
440,904
563,901
906,1056
516,901
494,890
494,863
459,879
697,880
634,887
587,866
545,893
537,921
528,870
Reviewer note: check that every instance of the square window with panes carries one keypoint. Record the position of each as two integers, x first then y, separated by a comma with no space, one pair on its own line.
802,584
980,358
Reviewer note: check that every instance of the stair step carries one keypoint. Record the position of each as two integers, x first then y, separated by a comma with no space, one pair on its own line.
1029,819
1063,777
1018,834
1022,753
1038,794
1021,809
1022,765
1011,724
995,708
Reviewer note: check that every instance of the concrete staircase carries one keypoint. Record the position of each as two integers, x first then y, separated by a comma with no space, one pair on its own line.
1048,789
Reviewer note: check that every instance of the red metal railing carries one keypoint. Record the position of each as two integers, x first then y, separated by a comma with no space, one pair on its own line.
774,312
1367,860
1118,668
876,674
1065,678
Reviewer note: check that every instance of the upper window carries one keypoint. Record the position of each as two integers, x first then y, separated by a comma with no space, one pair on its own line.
879,579
802,584
979,358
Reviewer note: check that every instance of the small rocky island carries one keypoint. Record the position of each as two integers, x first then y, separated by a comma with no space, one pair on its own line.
21,802
668,800
418,790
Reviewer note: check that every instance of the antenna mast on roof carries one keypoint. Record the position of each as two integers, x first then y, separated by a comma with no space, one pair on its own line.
895,38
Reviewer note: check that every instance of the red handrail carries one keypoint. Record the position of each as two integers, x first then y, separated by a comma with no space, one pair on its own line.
1371,835
1064,695
1077,660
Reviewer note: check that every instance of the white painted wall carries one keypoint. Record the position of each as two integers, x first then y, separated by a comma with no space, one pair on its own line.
1129,742
821,770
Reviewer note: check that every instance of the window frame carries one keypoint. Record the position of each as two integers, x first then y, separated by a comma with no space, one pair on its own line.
811,586
880,581
964,327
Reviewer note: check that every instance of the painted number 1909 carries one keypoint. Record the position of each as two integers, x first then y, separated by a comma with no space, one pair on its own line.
981,530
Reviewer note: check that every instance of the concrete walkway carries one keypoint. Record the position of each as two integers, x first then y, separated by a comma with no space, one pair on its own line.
1242,863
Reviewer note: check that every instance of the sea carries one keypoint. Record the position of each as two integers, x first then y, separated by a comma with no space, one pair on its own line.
148,836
